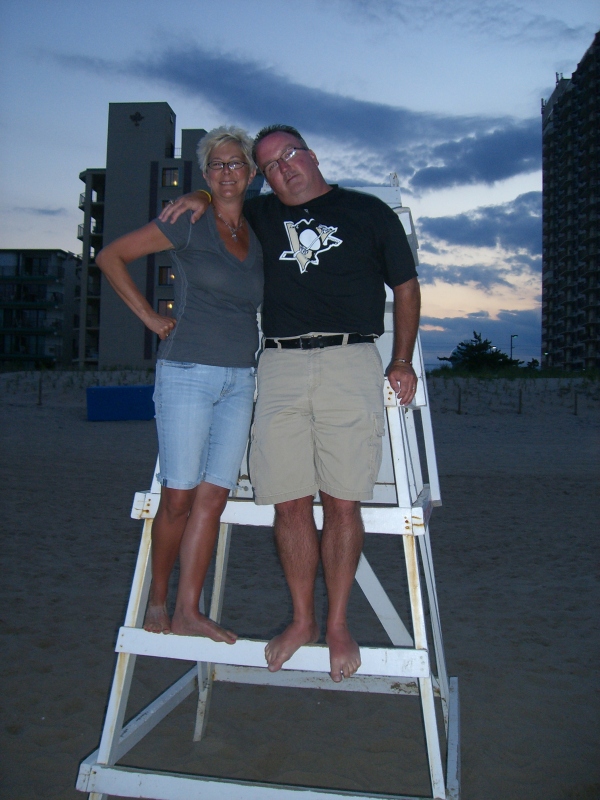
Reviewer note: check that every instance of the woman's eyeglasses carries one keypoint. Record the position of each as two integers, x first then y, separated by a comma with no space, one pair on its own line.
231,165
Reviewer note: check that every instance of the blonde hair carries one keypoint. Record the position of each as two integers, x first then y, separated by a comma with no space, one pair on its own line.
217,137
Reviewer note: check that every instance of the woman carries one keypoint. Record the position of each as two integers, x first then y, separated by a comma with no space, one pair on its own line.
204,372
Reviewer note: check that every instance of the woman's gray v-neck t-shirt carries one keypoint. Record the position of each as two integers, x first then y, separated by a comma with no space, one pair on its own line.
216,296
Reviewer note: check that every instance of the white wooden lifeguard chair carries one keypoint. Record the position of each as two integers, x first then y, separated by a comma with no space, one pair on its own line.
401,506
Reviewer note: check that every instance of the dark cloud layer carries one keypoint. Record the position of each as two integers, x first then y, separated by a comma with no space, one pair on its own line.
525,324
483,278
516,225
42,212
486,158
429,151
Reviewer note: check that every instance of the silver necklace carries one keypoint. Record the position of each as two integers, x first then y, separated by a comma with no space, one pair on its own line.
233,231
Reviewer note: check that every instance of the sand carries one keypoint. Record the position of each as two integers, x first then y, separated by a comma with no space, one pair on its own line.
516,556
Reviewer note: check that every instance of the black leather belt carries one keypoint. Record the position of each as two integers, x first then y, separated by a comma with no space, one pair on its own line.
314,342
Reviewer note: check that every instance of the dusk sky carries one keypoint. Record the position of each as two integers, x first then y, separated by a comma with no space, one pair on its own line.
446,93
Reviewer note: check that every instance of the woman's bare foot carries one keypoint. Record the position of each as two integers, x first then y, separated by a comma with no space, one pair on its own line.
344,653
190,624
282,647
157,619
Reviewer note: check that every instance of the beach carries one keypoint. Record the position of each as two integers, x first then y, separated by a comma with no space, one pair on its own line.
516,554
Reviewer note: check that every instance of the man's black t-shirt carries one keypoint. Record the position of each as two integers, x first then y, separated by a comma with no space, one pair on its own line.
326,262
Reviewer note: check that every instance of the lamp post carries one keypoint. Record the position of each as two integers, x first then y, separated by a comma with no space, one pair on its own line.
512,336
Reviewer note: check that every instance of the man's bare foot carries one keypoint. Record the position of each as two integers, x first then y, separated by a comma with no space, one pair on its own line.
190,624
157,620
344,653
282,647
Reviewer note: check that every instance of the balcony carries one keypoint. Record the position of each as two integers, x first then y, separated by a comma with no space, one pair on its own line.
97,229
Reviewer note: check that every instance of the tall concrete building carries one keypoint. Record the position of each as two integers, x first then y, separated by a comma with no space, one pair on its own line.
571,239
37,305
143,172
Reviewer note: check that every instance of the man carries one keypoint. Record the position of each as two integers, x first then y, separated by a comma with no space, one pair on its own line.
319,417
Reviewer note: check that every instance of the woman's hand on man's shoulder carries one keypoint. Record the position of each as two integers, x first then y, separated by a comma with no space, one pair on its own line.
197,202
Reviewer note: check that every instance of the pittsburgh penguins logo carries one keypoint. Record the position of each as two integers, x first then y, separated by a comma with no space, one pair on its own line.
308,243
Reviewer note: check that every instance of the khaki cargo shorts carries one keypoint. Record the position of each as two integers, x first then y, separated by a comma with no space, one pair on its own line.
318,424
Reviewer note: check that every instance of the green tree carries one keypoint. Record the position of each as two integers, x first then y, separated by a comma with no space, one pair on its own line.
477,355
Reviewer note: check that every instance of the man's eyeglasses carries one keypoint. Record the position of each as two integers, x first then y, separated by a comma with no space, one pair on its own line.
287,155
231,165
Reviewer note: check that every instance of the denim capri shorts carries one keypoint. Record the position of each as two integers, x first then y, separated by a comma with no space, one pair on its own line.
203,416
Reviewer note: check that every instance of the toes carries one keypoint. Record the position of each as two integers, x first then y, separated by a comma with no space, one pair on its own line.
154,628
274,664
345,671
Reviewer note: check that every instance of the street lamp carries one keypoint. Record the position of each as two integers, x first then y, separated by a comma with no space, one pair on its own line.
512,336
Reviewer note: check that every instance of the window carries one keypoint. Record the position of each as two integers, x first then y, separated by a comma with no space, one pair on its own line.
165,308
35,294
35,266
8,264
165,276
8,292
170,176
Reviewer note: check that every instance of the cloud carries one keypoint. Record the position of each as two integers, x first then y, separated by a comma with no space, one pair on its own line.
429,151
42,212
504,21
524,263
483,278
439,336
427,247
516,225
484,158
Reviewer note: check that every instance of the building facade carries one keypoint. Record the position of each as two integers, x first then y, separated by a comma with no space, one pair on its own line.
143,172
571,240
37,307
87,321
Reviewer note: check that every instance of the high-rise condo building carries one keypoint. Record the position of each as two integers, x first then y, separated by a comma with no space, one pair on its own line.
571,240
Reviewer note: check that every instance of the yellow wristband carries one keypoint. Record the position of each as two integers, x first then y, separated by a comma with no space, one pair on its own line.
208,194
